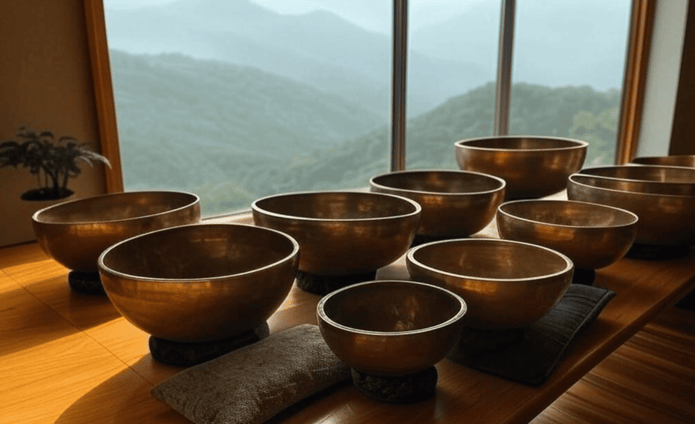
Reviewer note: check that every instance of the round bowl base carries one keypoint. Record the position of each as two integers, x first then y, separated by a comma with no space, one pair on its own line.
584,276
424,238
410,388
324,284
189,354
86,283
656,252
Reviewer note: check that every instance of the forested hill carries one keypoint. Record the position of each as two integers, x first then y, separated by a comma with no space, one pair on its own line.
233,134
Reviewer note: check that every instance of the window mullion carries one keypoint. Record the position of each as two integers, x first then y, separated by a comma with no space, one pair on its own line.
504,68
398,111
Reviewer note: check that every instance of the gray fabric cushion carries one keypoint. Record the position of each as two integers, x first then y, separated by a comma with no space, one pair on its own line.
254,383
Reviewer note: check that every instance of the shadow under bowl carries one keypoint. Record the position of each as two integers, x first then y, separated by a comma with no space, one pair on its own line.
506,284
454,203
76,232
593,236
199,283
342,232
532,166
666,217
390,327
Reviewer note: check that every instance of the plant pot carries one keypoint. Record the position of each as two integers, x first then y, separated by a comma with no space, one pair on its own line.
46,194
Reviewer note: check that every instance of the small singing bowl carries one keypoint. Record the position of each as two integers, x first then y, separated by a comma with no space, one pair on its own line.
673,160
202,282
390,327
454,203
506,284
76,232
342,232
593,236
666,217
533,167
655,179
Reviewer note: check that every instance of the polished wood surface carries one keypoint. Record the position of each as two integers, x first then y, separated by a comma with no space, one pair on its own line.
649,379
70,358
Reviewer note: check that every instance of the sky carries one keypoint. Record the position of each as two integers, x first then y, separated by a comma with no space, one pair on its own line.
365,13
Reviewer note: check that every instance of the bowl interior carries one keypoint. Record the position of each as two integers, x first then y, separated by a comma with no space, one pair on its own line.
115,207
439,182
198,251
490,259
336,205
521,143
647,189
674,160
652,173
568,213
392,307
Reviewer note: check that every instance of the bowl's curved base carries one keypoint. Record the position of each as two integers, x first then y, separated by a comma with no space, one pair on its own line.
656,252
324,284
410,388
86,283
189,354
424,238
584,276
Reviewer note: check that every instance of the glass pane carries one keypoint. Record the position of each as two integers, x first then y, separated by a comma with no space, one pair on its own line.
235,100
568,66
452,67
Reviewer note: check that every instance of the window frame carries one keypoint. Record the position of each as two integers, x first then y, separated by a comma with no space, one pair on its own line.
634,82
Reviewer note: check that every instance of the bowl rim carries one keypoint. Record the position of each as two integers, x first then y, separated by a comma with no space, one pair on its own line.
574,143
569,264
103,267
457,317
687,169
255,208
622,211
373,183
195,199
572,180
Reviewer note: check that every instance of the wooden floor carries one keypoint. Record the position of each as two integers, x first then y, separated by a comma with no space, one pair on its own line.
650,379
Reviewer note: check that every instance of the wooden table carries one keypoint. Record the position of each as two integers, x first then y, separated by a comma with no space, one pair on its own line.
71,358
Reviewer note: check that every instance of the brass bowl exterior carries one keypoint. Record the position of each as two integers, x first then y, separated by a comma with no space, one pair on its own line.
390,327
454,203
200,282
506,284
593,236
342,232
673,160
647,178
533,167
76,232
664,219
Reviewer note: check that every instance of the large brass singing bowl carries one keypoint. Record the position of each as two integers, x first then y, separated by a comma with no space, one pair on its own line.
506,284
200,282
674,160
593,236
533,167
655,179
75,233
454,203
342,232
390,327
666,218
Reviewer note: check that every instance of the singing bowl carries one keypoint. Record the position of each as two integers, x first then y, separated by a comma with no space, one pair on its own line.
342,232
593,236
533,167
390,327
76,232
673,160
666,218
647,178
506,284
201,282
454,203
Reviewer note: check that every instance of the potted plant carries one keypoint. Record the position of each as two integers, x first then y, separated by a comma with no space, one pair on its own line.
53,161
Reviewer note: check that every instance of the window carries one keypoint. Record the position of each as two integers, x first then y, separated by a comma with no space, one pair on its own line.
343,140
